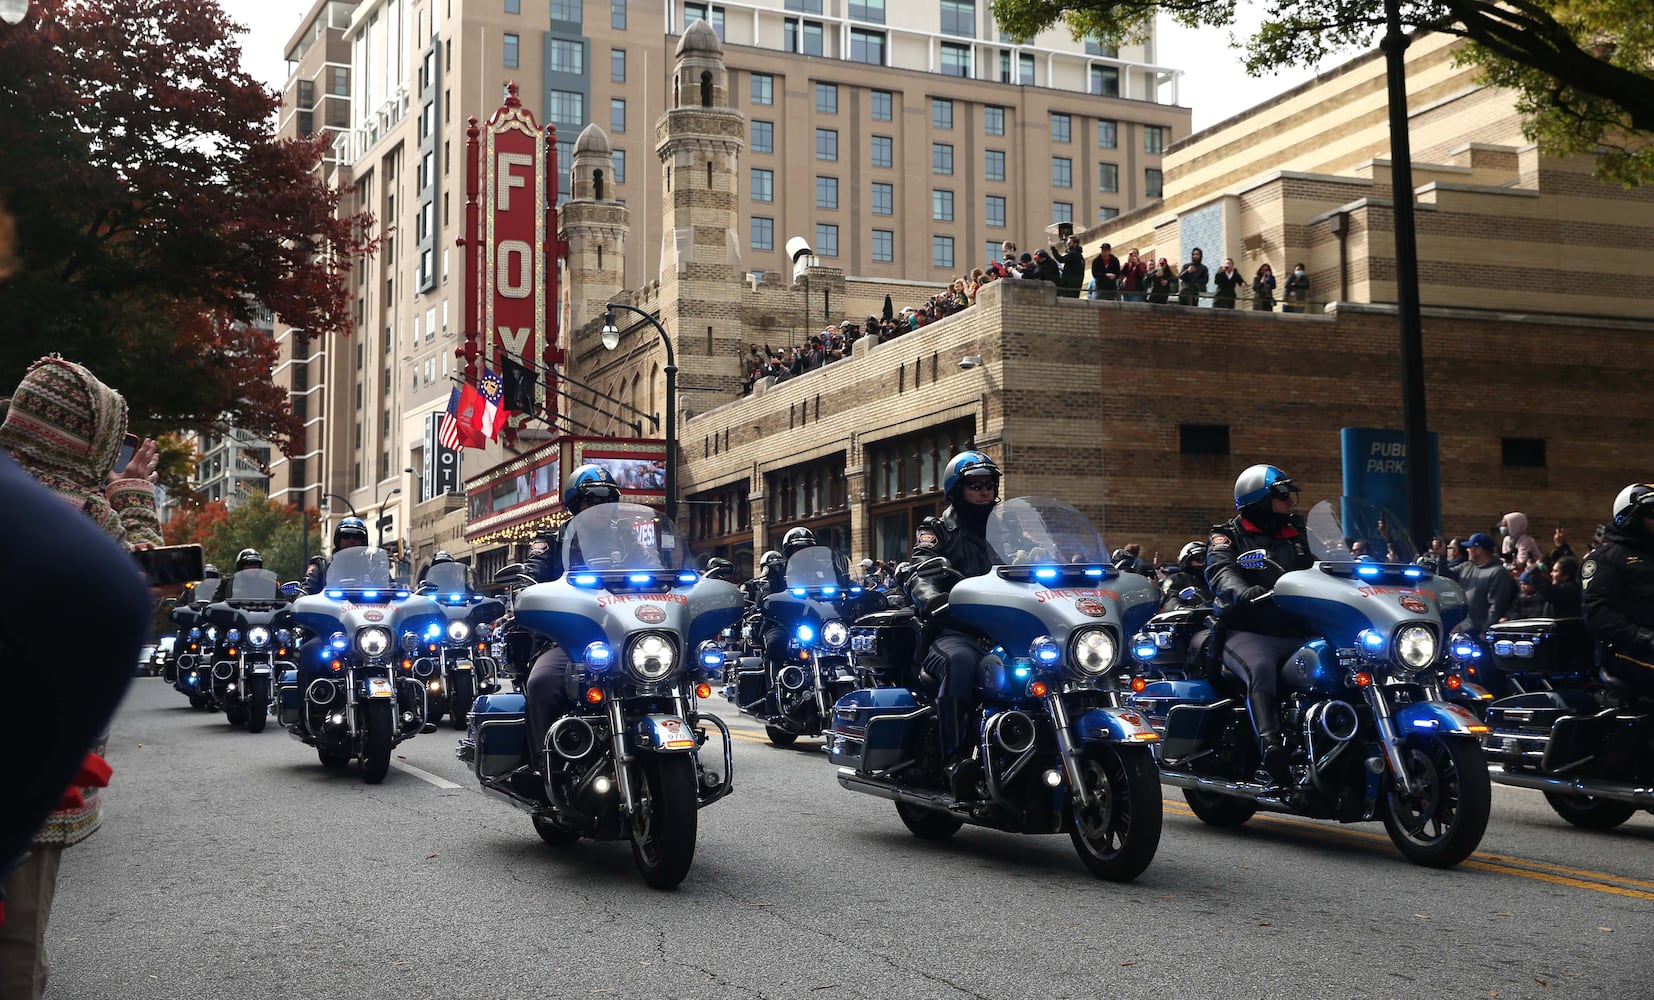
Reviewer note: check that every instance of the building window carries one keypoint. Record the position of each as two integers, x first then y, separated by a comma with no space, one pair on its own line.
714,16
567,110
510,51
826,144
956,59
995,214
959,18
617,65
1108,133
1151,182
763,233
883,105
941,113
827,192
1108,178
1105,81
1062,128
1095,47
991,251
1105,213
1062,211
763,88
1154,139
883,151
1025,69
618,160
826,99
826,240
763,184
617,115
617,14
804,37
1062,172
564,56
941,205
1203,439
804,6
884,245
566,10
993,164
1522,453
513,6
338,81
941,251
867,46
941,158
993,120
867,10
884,198
763,137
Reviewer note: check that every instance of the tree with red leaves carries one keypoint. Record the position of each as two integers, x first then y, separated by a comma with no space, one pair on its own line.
157,215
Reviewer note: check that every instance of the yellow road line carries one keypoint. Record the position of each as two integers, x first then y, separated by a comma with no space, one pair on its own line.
1597,881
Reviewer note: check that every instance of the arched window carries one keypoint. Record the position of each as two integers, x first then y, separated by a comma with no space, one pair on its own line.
597,184
706,88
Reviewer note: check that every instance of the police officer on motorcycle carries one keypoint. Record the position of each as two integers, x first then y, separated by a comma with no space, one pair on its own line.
442,556
208,572
1257,636
774,581
349,533
1190,576
719,568
948,549
1618,602
245,559
546,689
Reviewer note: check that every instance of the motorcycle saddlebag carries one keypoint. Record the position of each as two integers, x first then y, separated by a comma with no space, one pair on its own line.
289,699
498,730
1520,726
884,642
871,729
1542,646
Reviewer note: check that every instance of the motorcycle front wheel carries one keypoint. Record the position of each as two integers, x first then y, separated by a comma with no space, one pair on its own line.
1589,813
459,702
258,704
1440,823
663,831
1116,836
379,719
780,737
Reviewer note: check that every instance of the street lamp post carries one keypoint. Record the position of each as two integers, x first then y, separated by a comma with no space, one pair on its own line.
611,339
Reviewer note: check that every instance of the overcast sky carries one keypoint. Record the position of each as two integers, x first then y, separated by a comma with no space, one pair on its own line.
1214,86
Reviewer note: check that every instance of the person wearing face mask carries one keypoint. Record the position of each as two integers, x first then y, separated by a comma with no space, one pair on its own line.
1257,635
1618,601
1297,290
1514,538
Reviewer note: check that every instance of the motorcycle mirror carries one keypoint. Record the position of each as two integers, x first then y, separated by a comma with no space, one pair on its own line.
1188,594
508,574
171,602
1255,559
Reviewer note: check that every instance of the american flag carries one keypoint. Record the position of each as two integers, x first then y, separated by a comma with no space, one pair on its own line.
448,429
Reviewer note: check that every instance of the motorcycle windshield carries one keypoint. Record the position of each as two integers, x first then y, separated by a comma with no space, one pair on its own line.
817,567
1044,530
447,578
206,591
612,537
254,585
359,568
1351,529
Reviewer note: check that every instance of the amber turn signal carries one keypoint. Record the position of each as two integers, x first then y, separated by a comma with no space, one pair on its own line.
1138,684
594,695
1038,689
1363,679
1454,682
703,690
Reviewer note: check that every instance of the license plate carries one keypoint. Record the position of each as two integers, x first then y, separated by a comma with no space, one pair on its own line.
463,665
379,687
261,670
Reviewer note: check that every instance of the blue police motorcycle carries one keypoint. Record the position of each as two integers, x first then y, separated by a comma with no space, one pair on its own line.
1060,750
795,696
624,761
253,645
352,699
450,661
190,669
1363,711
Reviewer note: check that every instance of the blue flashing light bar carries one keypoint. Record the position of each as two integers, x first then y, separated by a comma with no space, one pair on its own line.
370,595
640,578
1045,573
1367,572
584,579
335,594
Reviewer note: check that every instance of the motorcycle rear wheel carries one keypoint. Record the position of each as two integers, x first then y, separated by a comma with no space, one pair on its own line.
1218,810
780,737
928,824
459,703
1117,836
1589,813
663,830
258,705
378,720
1441,823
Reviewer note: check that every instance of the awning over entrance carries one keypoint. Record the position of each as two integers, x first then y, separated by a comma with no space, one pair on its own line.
514,500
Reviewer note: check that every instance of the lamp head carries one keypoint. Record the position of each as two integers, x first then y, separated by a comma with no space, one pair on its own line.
611,333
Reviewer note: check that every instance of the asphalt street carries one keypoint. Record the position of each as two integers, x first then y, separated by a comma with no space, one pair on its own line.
234,865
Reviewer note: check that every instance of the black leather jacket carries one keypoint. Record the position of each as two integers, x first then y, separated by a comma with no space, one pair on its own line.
548,565
1288,547
1171,591
944,552
1619,593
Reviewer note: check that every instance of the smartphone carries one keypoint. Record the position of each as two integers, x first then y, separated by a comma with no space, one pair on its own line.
129,447
171,564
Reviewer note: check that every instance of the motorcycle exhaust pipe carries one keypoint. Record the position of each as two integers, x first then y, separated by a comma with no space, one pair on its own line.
1338,719
425,666
223,670
321,691
186,661
1012,730
572,738
792,678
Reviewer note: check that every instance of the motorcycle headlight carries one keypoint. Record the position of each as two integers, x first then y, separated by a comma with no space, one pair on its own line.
1045,651
258,637
212,634
1415,647
233,635
373,642
459,631
835,634
652,657
1092,651
711,656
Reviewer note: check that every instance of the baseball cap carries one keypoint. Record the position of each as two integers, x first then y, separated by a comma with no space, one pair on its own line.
1480,538
865,563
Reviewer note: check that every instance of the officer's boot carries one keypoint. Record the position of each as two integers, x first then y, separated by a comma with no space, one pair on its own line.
962,769
1273,754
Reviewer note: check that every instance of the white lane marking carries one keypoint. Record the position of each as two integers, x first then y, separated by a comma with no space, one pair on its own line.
422,775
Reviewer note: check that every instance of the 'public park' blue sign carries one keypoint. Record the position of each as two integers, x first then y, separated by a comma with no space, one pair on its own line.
1375,469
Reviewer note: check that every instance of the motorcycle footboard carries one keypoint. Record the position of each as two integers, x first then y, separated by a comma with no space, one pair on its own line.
1192,728
708,796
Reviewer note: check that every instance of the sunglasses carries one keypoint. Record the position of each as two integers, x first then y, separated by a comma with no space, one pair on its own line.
978,484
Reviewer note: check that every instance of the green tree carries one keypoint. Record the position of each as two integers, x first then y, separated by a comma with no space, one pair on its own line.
258,523
1583,70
